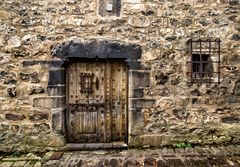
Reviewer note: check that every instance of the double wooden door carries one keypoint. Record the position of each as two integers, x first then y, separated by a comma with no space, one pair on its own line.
97,102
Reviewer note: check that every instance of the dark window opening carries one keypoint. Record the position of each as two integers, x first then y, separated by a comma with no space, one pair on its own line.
204,64
201,66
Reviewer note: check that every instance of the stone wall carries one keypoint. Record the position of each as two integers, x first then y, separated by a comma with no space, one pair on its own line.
163,108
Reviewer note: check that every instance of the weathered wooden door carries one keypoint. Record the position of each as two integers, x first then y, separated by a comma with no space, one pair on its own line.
97,102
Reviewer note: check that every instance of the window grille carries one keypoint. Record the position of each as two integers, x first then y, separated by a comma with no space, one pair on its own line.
86,82
204,64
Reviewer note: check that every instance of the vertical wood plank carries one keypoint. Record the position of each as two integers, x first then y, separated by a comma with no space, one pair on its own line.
119,102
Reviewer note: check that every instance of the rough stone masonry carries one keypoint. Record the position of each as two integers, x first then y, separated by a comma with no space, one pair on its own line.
37,37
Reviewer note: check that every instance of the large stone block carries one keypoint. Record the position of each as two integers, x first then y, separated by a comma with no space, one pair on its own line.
234,2
237,88
12,92
150,162
38,116
139,22
231,119
150,140
20,52
53,64
139,79
8,77
14,117
137,65
36,90
137,93
58,120
56,77
32,77
56,90
133,162
14,41
93,48
49,102
43,128
134,64
136,123
142,103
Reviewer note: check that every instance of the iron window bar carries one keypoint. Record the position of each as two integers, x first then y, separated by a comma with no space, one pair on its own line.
86,82
205,61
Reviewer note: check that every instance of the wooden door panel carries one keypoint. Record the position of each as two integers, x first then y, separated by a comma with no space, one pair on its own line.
84,120
97,100
119,101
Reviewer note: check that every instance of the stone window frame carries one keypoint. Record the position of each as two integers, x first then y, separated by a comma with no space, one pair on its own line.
201,71
110,14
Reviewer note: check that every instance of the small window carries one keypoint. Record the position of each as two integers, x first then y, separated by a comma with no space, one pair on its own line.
204,64
86,83
109,8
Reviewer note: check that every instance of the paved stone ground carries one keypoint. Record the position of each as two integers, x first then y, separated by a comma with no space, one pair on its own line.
191,157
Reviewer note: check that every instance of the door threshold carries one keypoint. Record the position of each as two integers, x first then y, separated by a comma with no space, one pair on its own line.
94,146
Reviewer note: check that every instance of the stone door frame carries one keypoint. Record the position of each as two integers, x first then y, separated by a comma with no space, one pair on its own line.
78,49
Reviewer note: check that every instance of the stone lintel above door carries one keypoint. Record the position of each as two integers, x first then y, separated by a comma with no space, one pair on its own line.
97,48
